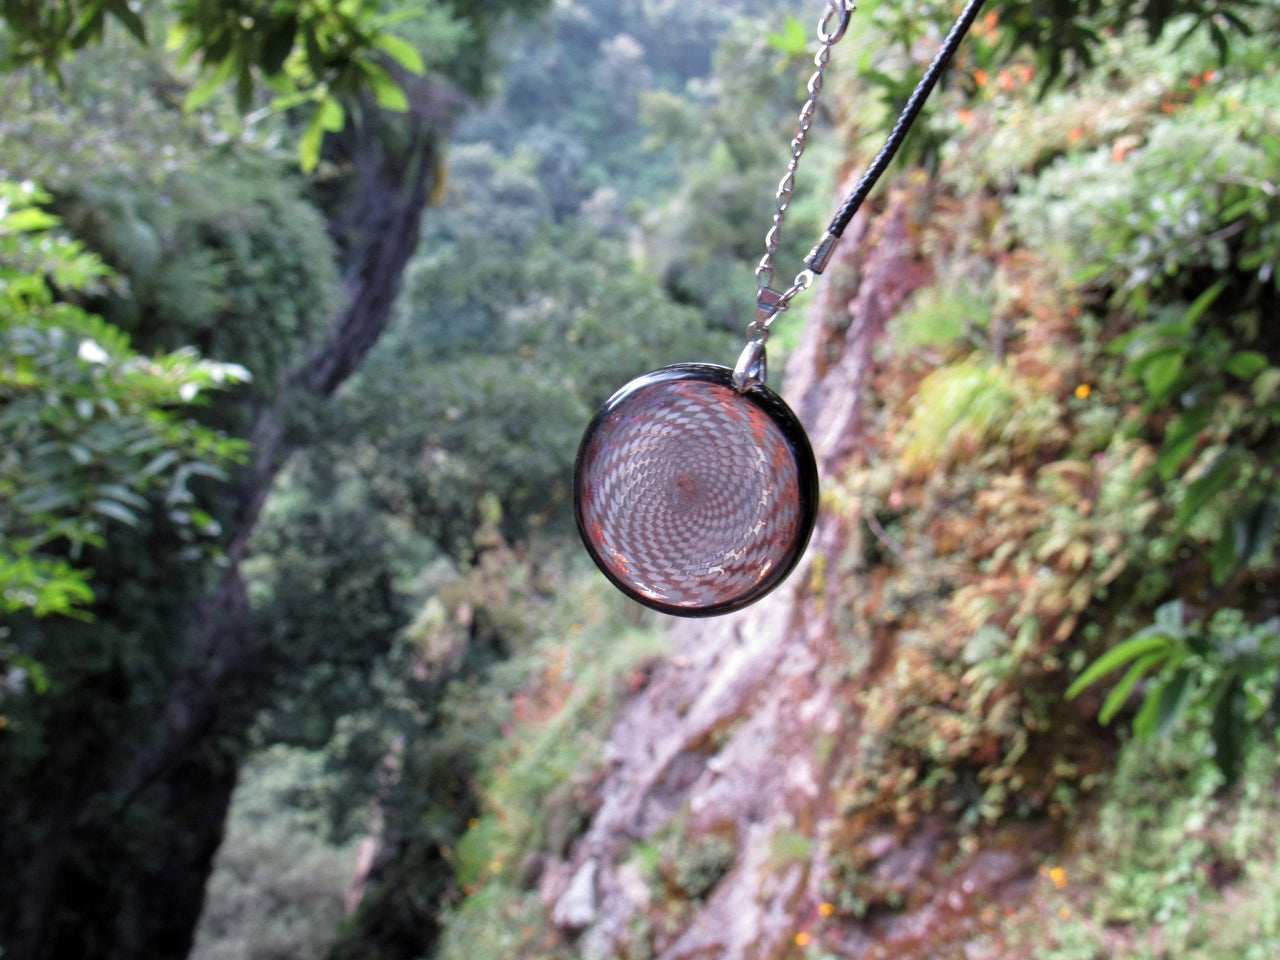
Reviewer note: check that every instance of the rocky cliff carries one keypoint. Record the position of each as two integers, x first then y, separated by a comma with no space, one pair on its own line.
731,820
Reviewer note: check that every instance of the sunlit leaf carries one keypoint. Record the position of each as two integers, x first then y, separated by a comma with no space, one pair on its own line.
1136,646
210,84
1119,694
389,94
1204,301
401,51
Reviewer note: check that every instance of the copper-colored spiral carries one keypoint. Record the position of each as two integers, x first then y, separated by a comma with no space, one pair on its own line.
692,497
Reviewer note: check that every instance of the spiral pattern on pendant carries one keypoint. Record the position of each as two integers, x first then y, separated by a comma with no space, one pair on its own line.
692,497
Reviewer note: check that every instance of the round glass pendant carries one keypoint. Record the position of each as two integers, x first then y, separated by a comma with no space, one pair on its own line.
693,498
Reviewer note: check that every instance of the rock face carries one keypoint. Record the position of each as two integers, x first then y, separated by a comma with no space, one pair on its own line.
720,770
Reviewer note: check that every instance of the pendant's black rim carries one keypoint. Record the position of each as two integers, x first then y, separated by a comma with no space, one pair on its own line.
792,432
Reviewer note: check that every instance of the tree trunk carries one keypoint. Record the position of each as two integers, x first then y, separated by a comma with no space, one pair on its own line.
113,862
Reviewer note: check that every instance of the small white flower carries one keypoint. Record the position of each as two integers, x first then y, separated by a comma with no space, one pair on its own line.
188,391
91,352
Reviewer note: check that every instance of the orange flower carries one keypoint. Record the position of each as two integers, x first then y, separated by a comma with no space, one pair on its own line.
1057,874
980,77
802,939
1082,393
965,116
1074,134
826,909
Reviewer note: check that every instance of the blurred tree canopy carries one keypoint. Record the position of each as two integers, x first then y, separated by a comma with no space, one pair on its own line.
121,731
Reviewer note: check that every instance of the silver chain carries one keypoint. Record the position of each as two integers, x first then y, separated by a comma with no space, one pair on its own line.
769,302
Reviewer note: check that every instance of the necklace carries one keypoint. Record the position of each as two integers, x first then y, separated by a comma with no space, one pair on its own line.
695,487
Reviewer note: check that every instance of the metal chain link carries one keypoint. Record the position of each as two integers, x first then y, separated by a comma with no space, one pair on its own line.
838,11
750,369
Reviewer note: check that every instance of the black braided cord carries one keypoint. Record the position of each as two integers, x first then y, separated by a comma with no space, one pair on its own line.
915,103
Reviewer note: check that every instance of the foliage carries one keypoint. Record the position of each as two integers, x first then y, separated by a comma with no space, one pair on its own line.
732,137
966,407
1197,262
331,582
1226,670
1065,35
516,331
138,722
1144,239
280,885
1170,865
95,433
549,708
233,260
1014,43
317,51
1145,469
479,733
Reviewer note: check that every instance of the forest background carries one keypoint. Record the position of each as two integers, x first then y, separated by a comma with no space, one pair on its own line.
287,568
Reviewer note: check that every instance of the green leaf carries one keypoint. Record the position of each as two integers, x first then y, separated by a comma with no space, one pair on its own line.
1120,692
159,463
1136,646
1171,699
1222,556
26,220
87,30
114,510
792,40
1161,371
1204,301
1208,485
389,94
278,44
1246,364
1254,528
36,672
1170,618
130,20
1228,728
1144,721
1266,385
1181,438
123,495
401,51
329,115
209,84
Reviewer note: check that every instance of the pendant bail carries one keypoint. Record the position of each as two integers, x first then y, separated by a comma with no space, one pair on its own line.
752,367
